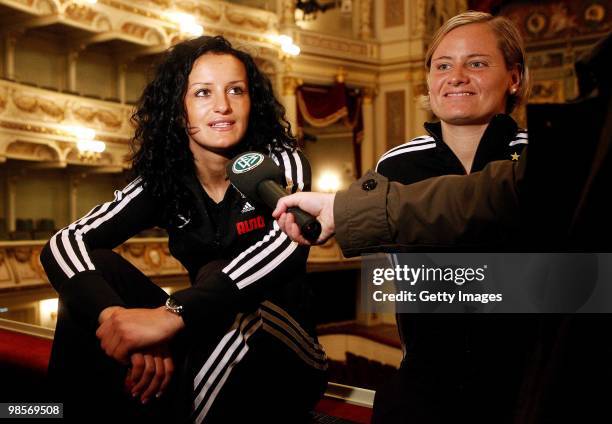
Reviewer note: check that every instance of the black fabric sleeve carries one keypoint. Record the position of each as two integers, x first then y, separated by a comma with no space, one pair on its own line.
67,259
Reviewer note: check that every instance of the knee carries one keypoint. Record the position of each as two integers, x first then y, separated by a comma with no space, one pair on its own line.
105,258
110,264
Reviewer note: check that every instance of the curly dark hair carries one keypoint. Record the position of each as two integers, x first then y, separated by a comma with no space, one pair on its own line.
161,154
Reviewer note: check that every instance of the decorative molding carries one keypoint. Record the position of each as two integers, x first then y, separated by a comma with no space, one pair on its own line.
394,13
74,157
42,107
38,105
368,95
365,19
20,265
46,7
241,19
28,3
35,129
81,13
547,92
287,13
105,117
164,4
560,20
32,151
395,121
418,13
199,9
3,99
353,48
143,32
290,85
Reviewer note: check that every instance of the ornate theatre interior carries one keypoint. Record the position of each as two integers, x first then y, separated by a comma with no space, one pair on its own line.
349,73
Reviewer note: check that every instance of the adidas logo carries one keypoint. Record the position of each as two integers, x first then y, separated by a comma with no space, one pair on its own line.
247,208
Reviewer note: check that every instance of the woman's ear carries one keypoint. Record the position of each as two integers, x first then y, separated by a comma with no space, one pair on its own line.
515,79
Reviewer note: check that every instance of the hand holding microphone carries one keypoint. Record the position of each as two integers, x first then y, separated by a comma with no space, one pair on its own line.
257,177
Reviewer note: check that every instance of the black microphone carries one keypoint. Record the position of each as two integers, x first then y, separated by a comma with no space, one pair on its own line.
257,177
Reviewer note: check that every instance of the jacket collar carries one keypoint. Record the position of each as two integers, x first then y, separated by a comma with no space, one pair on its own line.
493,144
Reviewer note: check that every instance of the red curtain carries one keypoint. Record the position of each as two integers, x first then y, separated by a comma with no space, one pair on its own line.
322,106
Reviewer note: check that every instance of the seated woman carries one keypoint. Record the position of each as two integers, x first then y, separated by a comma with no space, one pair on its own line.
466,367
239,343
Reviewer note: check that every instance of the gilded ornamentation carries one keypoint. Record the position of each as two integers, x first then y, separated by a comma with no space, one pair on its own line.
393,13
35,262
53,131
22,253
197,8
51,109
136,249
143,32
164,4
288,12
368,95
290,84
154,257
244,19
81,13
46,7
106,117
341,75
74,156
419,22
26,103
2,98
34,151
32,104
561,21
26,2
360,49
131,9
365,19
86,114
102,23
395,103
547,92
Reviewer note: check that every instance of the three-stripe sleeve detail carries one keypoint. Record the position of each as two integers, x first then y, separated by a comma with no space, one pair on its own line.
281,325
419,143
234,345
229,352
261,258
67,245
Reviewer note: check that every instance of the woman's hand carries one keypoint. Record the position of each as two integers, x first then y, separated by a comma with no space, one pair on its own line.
123,331
150,372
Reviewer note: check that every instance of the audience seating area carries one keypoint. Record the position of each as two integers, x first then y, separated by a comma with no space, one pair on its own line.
28,229
43,229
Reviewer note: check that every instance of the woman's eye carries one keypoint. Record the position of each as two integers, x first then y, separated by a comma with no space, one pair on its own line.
236,90
478,64
443,67
202,93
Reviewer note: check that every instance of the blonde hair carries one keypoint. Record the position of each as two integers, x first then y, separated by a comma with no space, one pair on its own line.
509,41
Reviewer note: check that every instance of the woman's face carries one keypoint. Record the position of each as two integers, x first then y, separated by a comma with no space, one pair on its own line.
217,103
468,79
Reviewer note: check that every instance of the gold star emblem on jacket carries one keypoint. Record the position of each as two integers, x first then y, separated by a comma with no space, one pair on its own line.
515,156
